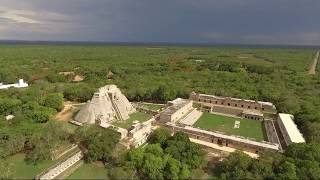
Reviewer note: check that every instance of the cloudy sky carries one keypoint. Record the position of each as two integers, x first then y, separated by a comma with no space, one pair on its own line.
185,21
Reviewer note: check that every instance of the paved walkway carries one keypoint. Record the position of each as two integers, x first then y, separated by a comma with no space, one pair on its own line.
313,66
222,148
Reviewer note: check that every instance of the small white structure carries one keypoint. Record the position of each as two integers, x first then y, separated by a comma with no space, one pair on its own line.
289,129
9,117
236,125
20,84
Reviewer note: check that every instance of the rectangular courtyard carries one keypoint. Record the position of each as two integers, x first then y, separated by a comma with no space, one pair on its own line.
248,128
136,116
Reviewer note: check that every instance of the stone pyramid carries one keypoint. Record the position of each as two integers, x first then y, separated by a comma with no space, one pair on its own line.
108,104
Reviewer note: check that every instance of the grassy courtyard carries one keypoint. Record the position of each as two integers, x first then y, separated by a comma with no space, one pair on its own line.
23,170
248,128
90,171
137,116
151,106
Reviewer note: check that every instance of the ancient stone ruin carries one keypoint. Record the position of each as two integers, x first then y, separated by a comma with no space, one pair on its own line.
107,105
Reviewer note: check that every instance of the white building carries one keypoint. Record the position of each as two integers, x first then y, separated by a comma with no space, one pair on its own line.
20,84
289,129
176,110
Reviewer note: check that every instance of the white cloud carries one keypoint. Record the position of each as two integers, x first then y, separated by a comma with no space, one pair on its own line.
18,16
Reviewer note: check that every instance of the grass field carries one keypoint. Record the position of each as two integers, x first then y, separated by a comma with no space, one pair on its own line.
248,128
22,170
137,116
90,171
154,107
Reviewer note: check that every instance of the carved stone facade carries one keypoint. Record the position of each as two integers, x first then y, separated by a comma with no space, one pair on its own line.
238,107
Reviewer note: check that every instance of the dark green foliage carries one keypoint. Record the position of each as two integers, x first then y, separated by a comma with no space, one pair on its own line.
98,143
42,143
270,74
9,106
79,92
160,136
40,116
54,101
168,161
300,161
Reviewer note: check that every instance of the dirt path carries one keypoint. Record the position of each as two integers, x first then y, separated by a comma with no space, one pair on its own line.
67,111
312,69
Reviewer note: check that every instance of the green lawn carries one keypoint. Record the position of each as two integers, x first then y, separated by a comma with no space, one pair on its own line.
137,116
90,171
21,170
150,106
248,128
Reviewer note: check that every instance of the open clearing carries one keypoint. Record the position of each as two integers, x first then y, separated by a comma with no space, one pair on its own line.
23,170
90,171
248,128
137,116
152,106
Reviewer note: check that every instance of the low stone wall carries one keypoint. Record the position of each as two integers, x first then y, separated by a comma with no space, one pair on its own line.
60,167
225,140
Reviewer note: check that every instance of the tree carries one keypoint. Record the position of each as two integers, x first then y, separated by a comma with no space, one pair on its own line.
136,157
172,168
185,172
152,167
41,116
154,149
235,166
160,135
98,143
9,106
43,143
180,148
54,101
286,170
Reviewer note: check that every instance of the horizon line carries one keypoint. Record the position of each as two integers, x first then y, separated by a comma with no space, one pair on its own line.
74,42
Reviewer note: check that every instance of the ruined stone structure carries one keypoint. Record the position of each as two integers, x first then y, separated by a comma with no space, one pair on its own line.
224,140
108,104
56,170
176,110
140,132
239,107
289,129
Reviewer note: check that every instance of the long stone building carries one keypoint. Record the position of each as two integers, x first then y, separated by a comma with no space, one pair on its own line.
225,140
250,109
289,129
176,110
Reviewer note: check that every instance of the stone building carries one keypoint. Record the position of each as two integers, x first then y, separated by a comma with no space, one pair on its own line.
176,110
225,140
140,132
238,107
107,105
289,129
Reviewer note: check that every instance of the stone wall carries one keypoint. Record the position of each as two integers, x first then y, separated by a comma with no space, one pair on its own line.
225,140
